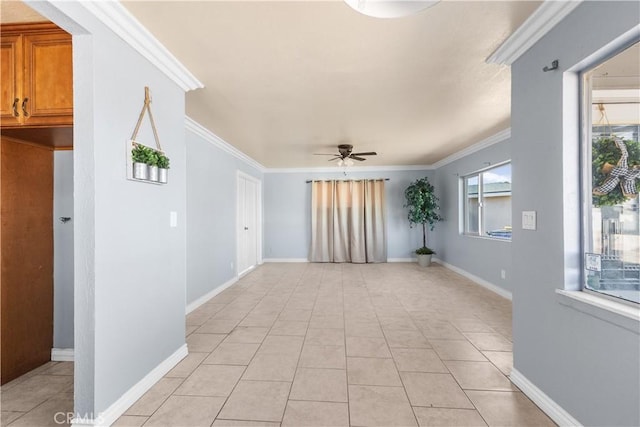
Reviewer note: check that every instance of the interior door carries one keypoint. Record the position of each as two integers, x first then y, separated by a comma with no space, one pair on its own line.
247,224
26,246
242,235
251,222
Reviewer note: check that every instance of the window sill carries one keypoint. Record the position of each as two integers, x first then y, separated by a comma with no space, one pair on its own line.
620,314
493,239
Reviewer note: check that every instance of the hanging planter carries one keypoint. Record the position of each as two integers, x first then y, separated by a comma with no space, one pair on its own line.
153,166
139,157
163,168
146,164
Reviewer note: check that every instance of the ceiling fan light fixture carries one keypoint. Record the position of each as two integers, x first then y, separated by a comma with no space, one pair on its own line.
348,162
390,8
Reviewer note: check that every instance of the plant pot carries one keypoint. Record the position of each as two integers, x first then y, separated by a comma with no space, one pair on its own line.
424,260
153,173
163,175
140,171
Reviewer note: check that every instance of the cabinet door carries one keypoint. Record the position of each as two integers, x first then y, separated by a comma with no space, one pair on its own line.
48,80
11,75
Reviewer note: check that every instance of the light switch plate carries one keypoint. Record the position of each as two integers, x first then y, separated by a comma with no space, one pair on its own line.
528,220
173,219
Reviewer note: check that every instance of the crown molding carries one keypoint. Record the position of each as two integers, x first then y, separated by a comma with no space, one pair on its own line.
541,21
119,20
214,139
206,134
329,169
494,139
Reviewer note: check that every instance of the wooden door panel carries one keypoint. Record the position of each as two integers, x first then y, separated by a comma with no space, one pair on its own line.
26,192
11,75
48,87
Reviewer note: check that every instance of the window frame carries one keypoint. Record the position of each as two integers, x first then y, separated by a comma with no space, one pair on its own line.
464,222
585,136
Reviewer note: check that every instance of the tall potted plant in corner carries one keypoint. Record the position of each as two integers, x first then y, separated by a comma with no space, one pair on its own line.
423,210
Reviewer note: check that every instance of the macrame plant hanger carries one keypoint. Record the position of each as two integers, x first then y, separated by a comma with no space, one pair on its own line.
146,108
603,117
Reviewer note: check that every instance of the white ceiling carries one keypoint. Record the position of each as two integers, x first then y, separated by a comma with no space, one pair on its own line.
284,80
12,11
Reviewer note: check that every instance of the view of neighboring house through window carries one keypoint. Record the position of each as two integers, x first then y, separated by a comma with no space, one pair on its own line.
611,155
487,202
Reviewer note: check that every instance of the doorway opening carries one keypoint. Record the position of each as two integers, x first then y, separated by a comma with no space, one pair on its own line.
36,236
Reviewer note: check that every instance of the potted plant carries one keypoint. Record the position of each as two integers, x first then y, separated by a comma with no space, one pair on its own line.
163,168
423,209
152,162
139,158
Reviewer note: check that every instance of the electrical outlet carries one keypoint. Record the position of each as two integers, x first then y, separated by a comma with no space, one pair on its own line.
503,274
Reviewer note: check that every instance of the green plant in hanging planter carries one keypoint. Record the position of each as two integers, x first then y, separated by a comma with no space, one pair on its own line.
140,153
153,157
163,161
423,209
605,154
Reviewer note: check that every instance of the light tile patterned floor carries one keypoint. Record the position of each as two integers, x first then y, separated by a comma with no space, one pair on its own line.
340,345
42,397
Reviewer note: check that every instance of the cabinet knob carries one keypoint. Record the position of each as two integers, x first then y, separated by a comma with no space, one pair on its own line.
15,107
24,107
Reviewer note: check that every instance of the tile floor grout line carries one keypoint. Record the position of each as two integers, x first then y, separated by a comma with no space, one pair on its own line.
183,379
404,389
295,374
257,351
344,325
201,362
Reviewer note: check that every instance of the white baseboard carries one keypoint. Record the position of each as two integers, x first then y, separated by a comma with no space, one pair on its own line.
402,259
286,260
113,412
544,402
62,355
480,281
206,297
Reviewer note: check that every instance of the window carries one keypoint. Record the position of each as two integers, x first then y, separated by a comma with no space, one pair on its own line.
487,202
611,173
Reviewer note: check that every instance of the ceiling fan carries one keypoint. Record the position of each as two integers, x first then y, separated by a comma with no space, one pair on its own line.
346,156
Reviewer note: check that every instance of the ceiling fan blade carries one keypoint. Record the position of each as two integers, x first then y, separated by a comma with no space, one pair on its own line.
360,159
368,153
324,154
335,158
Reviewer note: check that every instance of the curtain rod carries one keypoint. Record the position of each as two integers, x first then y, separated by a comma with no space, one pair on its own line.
328,180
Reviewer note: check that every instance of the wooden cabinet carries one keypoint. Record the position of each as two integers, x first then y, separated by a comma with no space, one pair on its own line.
37,76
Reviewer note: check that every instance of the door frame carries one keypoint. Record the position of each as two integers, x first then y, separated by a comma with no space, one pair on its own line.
258,182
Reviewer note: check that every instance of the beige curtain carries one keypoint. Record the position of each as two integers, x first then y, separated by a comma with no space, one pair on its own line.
348,221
